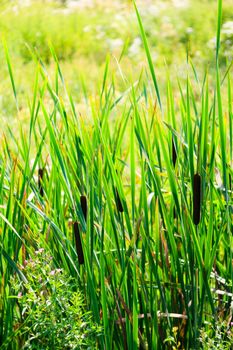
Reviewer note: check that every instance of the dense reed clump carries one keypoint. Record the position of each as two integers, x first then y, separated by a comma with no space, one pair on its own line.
152,279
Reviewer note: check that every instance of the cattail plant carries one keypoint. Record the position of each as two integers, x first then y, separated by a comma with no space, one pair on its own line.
155,271
40,181
83,202
196,198
78,243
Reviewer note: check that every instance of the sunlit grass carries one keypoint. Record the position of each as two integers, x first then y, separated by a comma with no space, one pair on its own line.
132,197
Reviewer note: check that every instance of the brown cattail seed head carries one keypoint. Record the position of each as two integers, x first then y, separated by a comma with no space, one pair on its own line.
40,180
196,199
78,243
83,202
118,202
174,153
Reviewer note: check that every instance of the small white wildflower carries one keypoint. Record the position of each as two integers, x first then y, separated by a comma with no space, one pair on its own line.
87,29
212,43
39,251
115,43
180,3
189,30
227,28
134,49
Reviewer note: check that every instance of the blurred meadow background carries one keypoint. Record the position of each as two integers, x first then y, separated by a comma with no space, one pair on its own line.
83,33
116,174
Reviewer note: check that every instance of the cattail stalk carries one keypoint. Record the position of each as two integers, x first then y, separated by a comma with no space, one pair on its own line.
78,243
196,199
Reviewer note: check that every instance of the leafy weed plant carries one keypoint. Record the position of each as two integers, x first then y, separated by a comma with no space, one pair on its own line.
50,311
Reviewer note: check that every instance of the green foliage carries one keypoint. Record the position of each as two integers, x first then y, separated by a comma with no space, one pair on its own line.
51,312
152,277
219,336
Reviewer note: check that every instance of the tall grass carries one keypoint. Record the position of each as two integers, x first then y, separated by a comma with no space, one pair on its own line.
134,200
